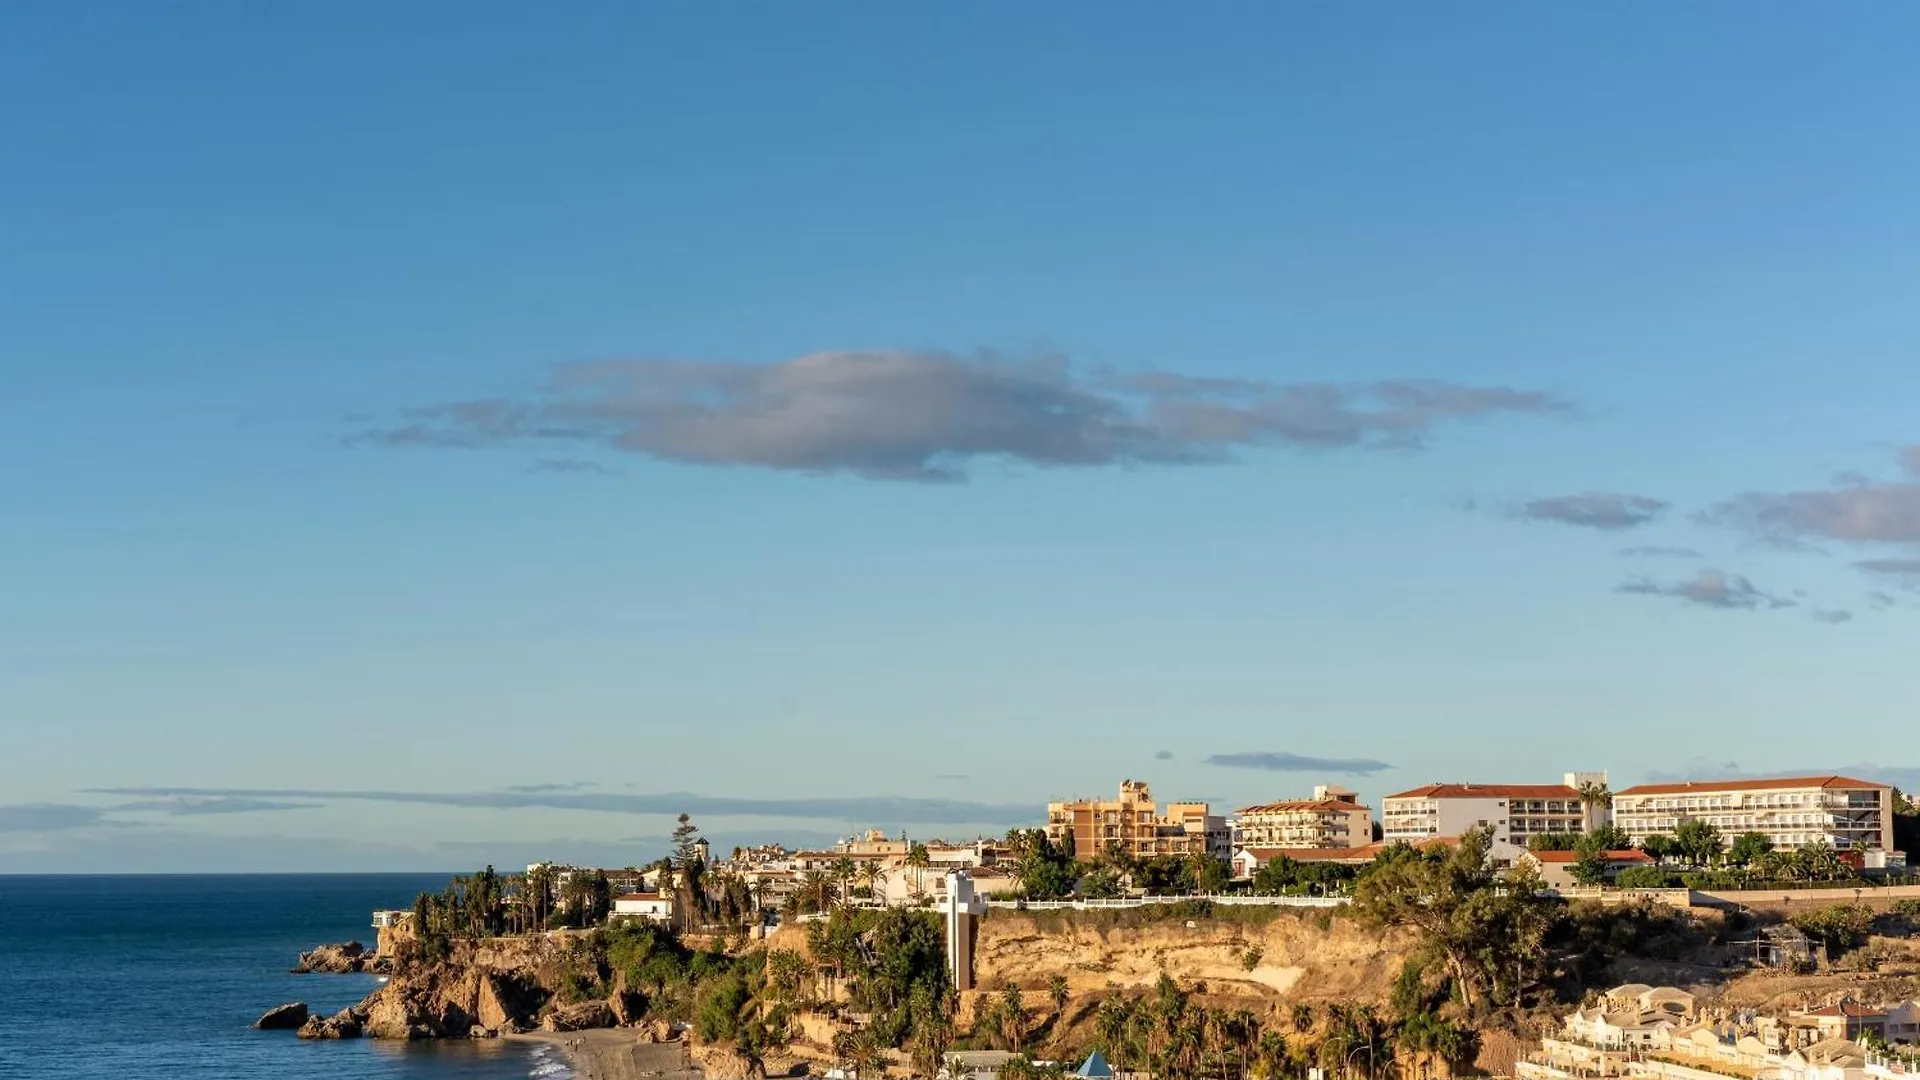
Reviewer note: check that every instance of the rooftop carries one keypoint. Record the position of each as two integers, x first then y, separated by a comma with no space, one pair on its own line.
1490,791
1780,783
1299,804
1632,855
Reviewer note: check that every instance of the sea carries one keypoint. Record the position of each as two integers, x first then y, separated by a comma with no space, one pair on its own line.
160,977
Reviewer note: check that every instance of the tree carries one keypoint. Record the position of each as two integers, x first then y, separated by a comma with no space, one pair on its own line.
1591,866
685,836
1659,847
1748,848
918,860
1057,993
1485,931
872,878
1608,837
1010,1018
1699,841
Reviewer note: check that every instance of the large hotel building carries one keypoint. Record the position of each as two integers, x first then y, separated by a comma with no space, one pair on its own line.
1793,812
1133,823
1333,818
1514,813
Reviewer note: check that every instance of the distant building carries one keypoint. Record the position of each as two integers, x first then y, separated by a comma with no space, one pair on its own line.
1514,813
872,842
1556,867
1792,812
652,906
1134,824
1333,818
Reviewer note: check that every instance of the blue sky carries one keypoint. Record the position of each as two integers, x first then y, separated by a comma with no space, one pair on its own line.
760,410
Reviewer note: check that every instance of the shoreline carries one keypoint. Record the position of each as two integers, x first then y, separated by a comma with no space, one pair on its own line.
615,1054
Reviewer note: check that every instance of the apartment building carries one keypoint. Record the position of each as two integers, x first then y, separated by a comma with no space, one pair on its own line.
1333,818
1793,812
1138,826
1514,813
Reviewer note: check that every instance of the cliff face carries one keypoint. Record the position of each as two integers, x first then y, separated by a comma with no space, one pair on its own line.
494,986
1291,957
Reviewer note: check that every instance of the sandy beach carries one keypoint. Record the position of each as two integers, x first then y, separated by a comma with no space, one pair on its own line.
618,1054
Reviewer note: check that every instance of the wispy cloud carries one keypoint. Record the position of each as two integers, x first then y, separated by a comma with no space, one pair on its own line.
1859,512
1709,588
1891,567
1282,761
1163,755
48,817
571,465
1833,615
1881,600
1606,511
542,789
928,416
193,807
1656,551
872,810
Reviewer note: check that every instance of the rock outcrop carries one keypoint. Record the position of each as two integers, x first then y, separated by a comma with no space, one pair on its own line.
345,1024
580,1016
283,1017
342,959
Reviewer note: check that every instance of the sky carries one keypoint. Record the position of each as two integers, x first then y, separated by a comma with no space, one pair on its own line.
439,433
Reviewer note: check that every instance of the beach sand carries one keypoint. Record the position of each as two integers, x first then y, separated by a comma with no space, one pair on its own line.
618,1054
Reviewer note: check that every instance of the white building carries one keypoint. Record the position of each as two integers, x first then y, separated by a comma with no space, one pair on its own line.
1513,812
1793,812
652,906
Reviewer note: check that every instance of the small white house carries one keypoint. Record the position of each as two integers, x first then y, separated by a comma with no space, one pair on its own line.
652,906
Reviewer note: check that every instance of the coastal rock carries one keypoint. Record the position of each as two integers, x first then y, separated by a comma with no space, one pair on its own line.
344,1024
341,959
283,1017
586,1014
386,1016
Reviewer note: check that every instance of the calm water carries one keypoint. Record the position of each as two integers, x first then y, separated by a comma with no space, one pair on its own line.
136,977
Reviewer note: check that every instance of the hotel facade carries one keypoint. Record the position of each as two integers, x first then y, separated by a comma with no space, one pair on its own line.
1513,813
1133,823
1792,812
1333,818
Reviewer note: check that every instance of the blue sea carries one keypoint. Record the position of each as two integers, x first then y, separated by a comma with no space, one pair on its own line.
136,977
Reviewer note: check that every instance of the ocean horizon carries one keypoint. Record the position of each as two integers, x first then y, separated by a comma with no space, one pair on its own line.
161,975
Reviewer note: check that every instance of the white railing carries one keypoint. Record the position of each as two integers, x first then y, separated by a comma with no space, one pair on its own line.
1231,899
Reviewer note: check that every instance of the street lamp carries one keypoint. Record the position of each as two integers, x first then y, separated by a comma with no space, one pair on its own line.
1368,1047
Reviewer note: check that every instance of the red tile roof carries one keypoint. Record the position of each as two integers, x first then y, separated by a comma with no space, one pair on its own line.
1771,784
1299,804
1623,855
1338,854
1490,791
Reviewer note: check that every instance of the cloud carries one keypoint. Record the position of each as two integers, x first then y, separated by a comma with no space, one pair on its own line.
570,465
1163,755
1281,761
190,807
870,810
1881,600
1655,551
542,789
1709,588
1833,616
1855,512
48,817
1607,511
928,416
1891,567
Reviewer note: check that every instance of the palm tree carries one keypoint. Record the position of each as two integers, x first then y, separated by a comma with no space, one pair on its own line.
843,874
918,860
872,877
1272,1054
1012,1017
1057,993
1110,1025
